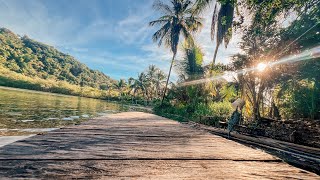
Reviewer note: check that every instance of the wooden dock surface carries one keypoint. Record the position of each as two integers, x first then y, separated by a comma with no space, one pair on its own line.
135,145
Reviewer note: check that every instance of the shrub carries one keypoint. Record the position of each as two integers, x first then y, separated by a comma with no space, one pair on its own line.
220,111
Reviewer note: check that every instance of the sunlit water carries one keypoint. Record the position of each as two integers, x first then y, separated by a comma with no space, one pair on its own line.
26,112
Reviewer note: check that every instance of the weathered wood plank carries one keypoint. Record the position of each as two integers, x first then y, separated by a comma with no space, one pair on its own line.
154,169
138,145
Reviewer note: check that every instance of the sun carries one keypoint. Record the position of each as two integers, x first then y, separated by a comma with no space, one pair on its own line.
261,67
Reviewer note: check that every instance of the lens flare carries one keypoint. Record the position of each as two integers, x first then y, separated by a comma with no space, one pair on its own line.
305,55
261,67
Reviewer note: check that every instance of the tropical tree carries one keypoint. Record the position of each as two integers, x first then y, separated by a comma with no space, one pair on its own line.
222,20
159,82
139,85
121,86
212,89
190,66
298,90
264,14
132,88
176,20
155,81
151,75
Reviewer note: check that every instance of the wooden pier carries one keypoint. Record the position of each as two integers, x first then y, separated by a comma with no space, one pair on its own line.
135,145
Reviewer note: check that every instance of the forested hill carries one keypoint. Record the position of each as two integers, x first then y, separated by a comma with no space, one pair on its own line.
34,59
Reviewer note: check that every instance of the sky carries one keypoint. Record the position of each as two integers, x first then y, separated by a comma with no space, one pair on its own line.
112,36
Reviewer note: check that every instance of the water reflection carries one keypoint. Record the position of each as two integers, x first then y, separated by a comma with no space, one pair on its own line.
23,109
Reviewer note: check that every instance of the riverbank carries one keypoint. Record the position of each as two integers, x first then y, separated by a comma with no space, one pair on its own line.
10,79
17,80
24,112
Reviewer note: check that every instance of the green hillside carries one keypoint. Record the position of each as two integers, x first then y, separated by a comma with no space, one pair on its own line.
37,60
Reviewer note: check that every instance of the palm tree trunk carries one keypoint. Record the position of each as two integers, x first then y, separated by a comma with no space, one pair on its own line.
215,55
165,88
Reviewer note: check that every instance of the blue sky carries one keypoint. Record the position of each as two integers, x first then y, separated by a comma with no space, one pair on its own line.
112,36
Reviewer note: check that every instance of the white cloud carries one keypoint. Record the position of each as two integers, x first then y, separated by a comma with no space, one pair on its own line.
134,28
32,19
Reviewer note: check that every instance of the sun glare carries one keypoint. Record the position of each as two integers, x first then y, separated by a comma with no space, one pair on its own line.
261,67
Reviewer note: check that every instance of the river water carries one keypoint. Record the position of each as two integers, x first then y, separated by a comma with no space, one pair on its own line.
25,112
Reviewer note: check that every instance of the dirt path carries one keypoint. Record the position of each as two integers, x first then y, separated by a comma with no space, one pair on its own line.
136,145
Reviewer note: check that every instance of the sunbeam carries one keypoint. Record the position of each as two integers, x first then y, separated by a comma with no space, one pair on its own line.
305,55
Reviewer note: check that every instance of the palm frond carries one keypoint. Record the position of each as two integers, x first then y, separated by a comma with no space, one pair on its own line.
161,33
228,12
157,22
190,66
213,22
193,24
174,38
187,35
164,8
224,26
185,5
200,5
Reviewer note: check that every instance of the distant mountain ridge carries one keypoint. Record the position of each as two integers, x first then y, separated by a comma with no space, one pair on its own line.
34,59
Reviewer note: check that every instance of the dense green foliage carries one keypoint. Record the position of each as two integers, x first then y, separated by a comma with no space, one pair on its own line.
18,80
192,101
146,89
276,30
292,88
33,59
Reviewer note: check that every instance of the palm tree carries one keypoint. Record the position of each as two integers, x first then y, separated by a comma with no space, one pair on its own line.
132,88
191,65
191,68
121,85
151,75
222,18
139,85
176,20
159,82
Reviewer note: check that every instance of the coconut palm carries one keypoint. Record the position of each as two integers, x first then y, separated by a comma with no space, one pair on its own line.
121,85
176,20
132,88
159,82
151,75
139,85
221,25
191,65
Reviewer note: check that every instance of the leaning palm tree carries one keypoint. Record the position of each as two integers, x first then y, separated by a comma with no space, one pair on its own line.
176,20
221,25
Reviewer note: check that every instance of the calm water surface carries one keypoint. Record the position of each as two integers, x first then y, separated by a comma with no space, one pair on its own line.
25,112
